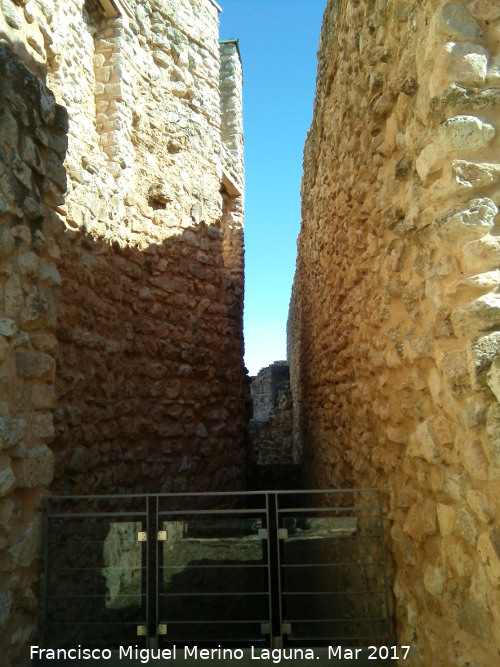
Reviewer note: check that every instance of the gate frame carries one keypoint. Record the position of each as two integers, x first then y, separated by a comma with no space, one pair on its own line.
151,518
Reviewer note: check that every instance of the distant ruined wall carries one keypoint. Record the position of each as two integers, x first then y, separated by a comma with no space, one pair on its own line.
269,439
121,346
265,387
269,457
394,327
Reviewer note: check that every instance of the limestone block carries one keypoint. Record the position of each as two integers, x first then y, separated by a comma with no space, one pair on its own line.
395,434
467,525
7,481
52,193
446,519
4,348
421,521
475,174
79,461
43,396
422,445
9,133
455,557
26,364
31,155
28,547
5,607
21,171
484,508
42,426
31,365
483,314
6,242
7,327
430,438
462,63
456,97
28,263
455,485
12,430
493,378
13,296
474,459
23,233
454,135
435,386
480,587
12,14
464,287
474,621
480,256
36,469
493,434
48,272
475,412
493,77
434,580
44,342
488,547
4,205
454,21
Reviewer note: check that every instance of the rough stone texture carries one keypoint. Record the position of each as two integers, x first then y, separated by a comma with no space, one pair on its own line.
32,129
149,323
265,389
394,318
121,262
269,438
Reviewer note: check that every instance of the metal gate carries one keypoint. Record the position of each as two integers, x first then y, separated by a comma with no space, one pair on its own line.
262,569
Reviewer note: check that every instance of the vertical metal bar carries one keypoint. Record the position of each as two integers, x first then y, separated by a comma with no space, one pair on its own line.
157,567
279,556
45,575
148,571
269,573
386,593
152,574
275,624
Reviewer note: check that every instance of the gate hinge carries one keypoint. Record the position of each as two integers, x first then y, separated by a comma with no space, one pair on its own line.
286,628
162,629
282,533
162,536
141,630
142,536
262,533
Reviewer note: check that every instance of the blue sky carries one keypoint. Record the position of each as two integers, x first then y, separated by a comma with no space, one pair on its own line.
278,42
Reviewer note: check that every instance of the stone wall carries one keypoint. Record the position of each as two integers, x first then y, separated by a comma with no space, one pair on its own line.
270,462
32,147
266,387
122,301
395,317
270,429
150,312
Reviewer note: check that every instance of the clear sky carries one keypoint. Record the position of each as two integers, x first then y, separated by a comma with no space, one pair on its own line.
278,41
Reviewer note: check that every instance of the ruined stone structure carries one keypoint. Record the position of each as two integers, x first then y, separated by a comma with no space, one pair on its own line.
121,264
266,389
394,321
269,439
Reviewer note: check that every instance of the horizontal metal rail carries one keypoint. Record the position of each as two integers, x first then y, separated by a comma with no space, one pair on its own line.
172,568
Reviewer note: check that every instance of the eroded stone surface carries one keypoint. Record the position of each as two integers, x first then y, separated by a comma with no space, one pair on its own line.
394,317
121,262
